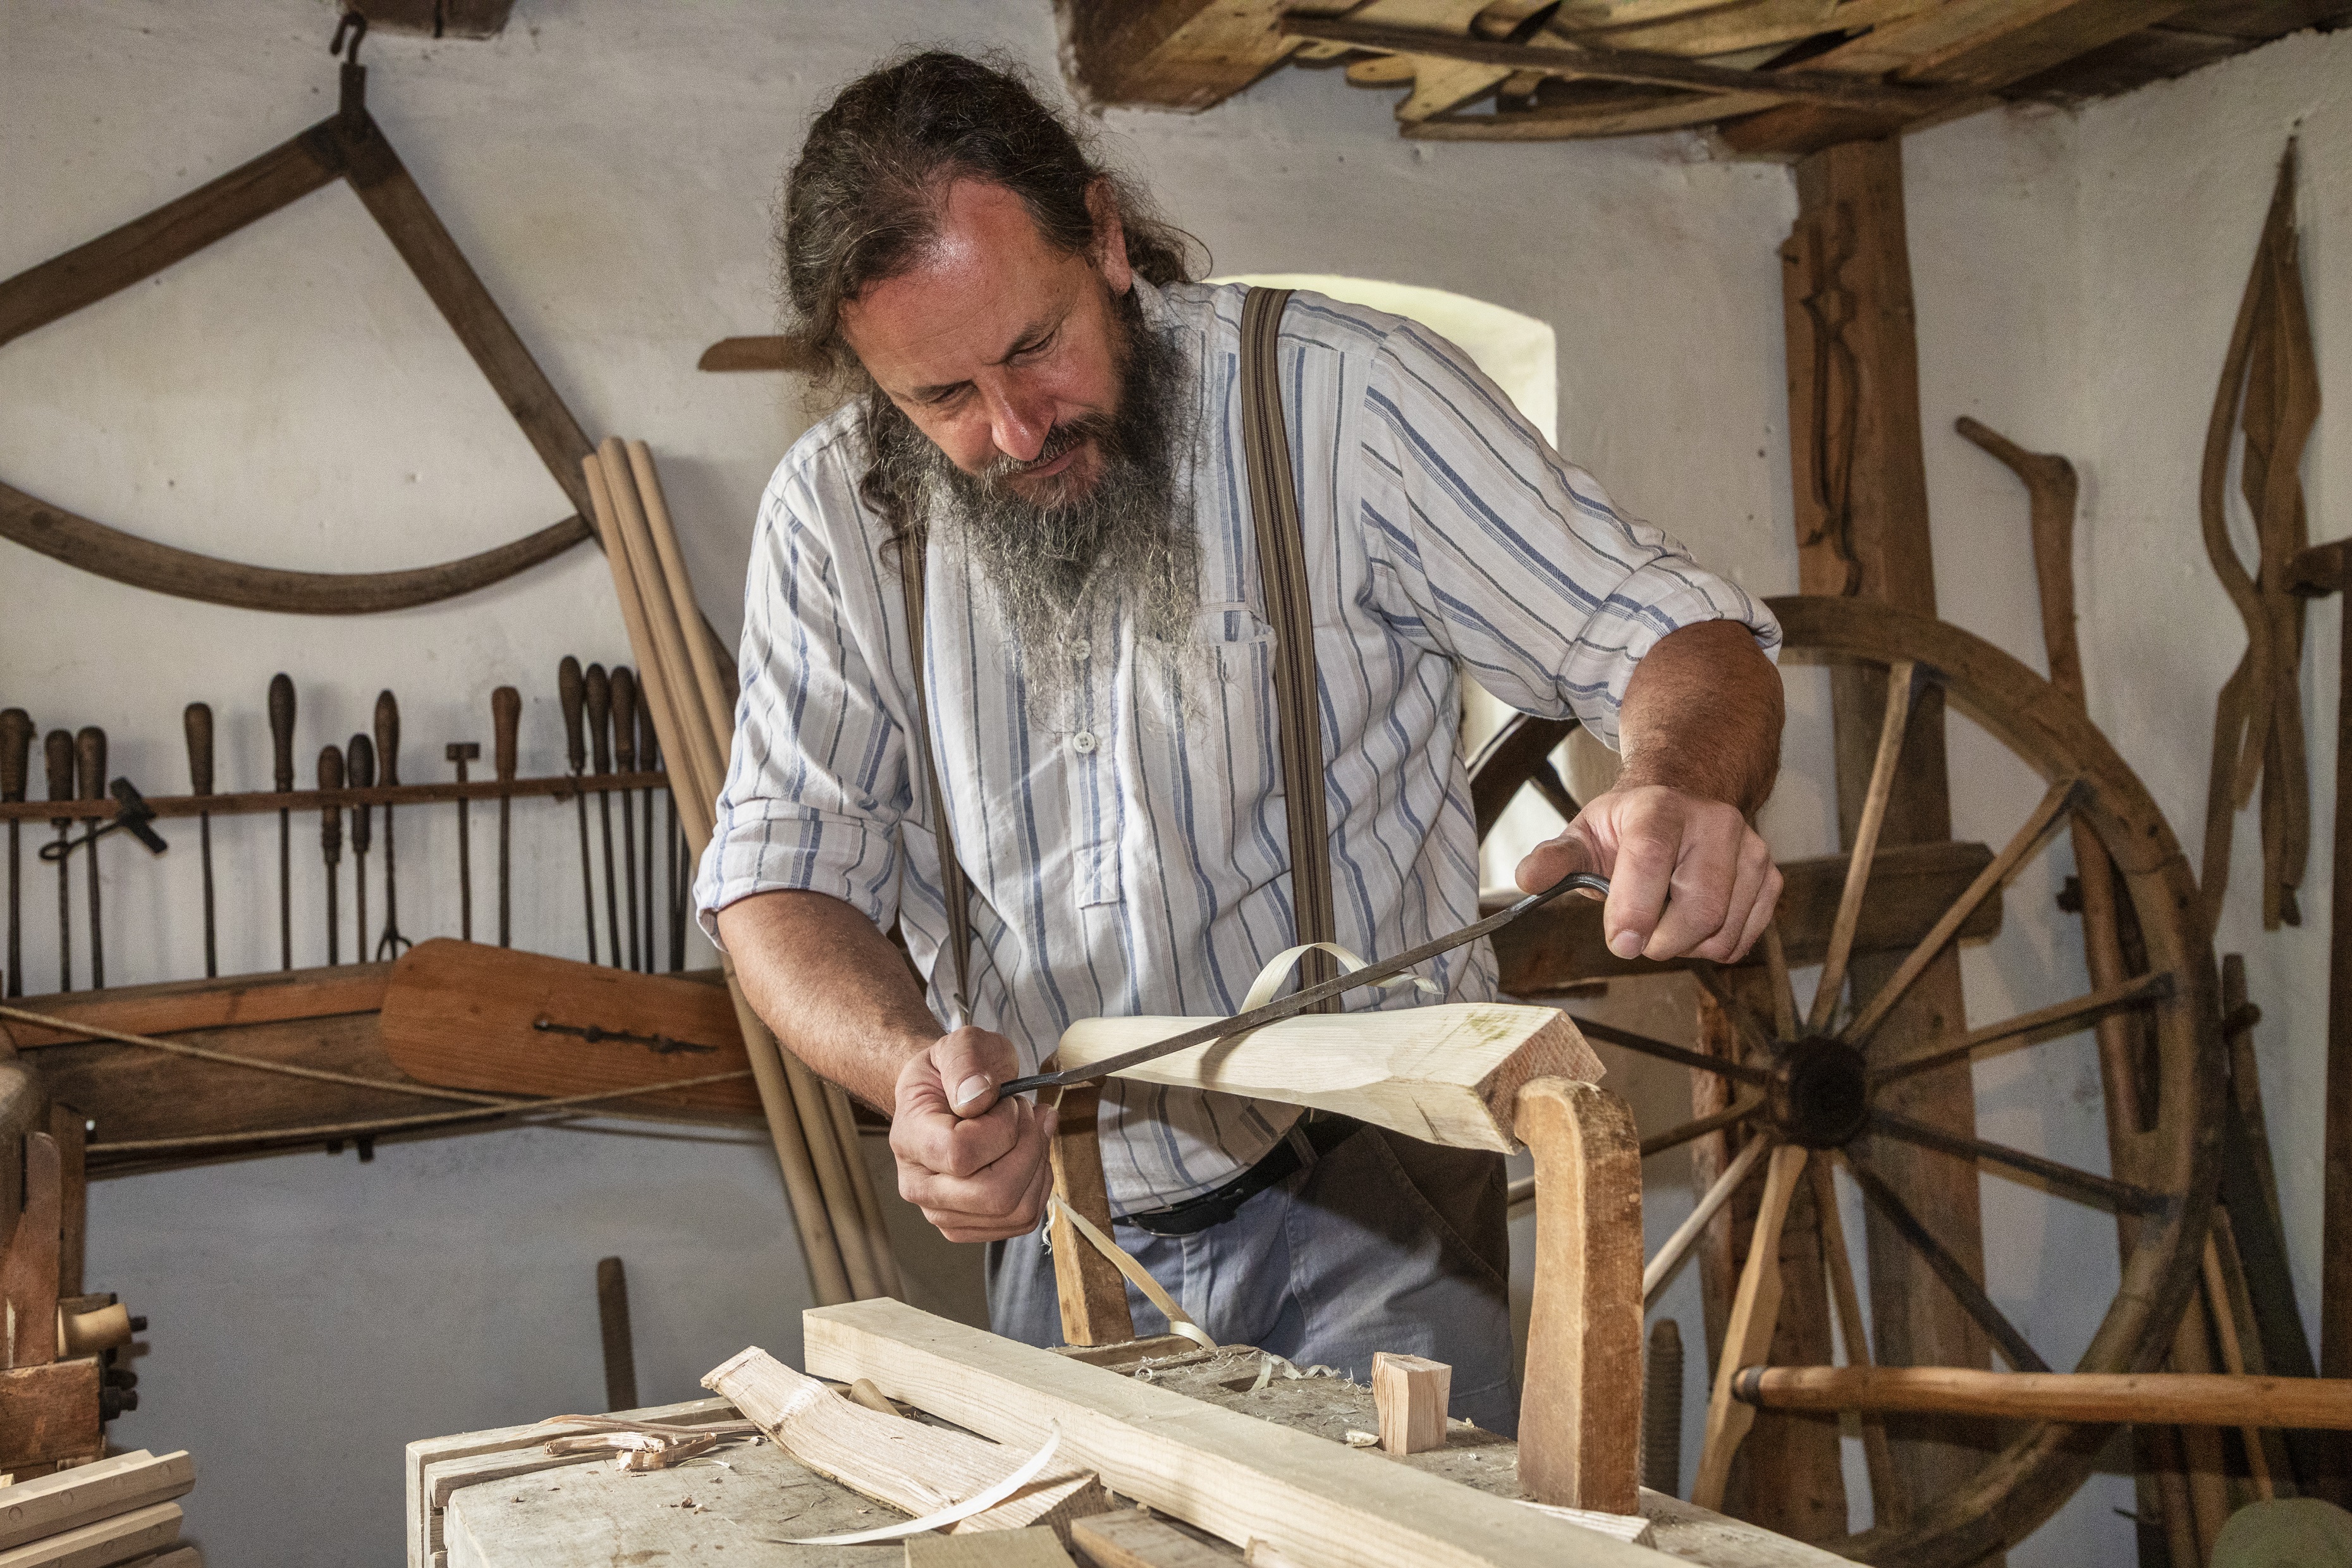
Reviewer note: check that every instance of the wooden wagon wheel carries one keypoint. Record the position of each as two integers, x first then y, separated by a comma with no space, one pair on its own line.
1807,1087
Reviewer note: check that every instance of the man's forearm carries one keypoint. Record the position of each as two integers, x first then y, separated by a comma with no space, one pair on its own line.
834,990
1702,715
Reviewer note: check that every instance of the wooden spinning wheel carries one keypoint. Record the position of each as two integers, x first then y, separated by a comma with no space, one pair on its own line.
1809,1085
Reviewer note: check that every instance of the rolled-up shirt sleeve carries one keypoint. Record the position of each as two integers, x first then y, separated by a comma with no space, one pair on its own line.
817,782
1489,547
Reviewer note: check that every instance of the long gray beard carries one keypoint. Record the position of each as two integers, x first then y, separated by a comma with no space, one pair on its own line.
1127,546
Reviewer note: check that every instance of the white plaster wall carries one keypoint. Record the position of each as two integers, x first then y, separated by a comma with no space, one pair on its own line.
291,397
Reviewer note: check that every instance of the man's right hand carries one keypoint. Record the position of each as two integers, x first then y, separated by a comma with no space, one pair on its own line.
976,1165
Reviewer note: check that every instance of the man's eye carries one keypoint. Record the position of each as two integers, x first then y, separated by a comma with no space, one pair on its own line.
1031,351
943,398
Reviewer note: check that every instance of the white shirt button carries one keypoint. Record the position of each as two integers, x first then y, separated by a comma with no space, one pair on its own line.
1082,649
1084,740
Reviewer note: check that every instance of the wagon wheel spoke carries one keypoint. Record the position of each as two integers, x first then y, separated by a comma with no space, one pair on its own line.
2045,1021
1753,1035
2021,1355
1729,1116
2062,797
2102,1189
1722,1065
1902,686
1661,1268
1546,782
1890,1503
1748,1333
1784,990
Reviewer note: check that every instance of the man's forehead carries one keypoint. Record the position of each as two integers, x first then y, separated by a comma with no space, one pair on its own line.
988,280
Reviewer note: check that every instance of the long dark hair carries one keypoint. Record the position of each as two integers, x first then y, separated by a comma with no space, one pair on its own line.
861,204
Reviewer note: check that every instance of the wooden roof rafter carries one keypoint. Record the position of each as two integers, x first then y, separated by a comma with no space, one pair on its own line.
1772,76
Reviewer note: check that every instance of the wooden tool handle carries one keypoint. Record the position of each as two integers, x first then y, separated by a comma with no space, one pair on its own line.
198,722
599,693
16,752
648,739
331,818
282,730
387,738
625,718
359,771
571,692
57,751
89,761
506,720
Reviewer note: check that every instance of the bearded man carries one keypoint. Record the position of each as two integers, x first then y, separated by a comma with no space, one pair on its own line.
1047,410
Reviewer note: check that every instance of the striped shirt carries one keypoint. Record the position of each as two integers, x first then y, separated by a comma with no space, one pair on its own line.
1127,843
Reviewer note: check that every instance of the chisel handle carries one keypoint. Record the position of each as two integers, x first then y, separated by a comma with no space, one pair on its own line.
89,761
387,737
16,753
198,722
598,690
330,816
57,751
648,739
571,693
359,770
281,732
625,718
506,721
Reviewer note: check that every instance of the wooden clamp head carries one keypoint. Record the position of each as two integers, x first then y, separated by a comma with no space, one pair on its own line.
1579,1408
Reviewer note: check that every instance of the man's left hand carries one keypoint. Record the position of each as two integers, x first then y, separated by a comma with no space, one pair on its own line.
1688,876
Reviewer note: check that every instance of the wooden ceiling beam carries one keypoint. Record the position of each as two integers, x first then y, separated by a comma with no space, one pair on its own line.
1624,65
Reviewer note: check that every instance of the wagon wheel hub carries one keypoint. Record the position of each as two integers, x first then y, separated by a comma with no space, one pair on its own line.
1820,1098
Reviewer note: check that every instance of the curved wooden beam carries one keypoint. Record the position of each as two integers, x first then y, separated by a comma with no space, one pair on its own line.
141,562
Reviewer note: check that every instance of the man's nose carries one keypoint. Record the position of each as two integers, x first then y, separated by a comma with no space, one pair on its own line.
1018,425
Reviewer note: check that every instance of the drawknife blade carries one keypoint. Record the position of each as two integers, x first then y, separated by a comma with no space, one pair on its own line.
1298,1002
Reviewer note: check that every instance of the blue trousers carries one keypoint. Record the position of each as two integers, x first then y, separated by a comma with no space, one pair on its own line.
1384,1243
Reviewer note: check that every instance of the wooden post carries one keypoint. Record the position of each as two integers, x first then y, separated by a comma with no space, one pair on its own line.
1093,1296
1579,1440
1860,485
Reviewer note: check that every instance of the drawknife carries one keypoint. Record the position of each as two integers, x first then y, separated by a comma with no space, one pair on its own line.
1299,1002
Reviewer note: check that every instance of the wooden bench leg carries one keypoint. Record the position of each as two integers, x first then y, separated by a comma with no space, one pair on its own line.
1579,1411
1093,1296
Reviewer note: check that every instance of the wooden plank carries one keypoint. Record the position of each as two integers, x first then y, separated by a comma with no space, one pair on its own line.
177,1006
69,1130
1093,1295
1032,1548
1446,1074
427,1451
1135,1540
1312,1502
1410,1392
28,1269
1558,946
2182,1399
67,1498
1578,1434
469,1016
921,1470
103,1544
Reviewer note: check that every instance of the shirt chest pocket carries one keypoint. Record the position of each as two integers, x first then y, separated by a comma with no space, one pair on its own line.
1212,752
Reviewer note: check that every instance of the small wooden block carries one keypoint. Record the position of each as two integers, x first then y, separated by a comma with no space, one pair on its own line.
1410,1392
1136,1540
1035,1548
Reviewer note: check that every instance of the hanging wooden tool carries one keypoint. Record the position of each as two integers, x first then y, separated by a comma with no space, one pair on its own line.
2270,388
350,146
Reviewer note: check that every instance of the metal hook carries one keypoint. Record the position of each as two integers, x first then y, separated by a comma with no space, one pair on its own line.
356,25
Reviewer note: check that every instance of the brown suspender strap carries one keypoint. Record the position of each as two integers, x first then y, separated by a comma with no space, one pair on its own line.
954,891
1282,576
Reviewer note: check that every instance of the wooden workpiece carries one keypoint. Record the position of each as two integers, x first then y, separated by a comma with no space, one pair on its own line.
1032,1548
1448,1073
34,1509
1411,1394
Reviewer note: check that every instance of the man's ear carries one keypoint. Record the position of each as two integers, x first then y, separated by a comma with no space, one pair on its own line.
1110,237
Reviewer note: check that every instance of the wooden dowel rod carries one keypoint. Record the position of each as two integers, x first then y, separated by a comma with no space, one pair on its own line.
681,586
2178,1399
254,802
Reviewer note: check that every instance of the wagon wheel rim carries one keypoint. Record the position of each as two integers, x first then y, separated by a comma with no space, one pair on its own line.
1808,1077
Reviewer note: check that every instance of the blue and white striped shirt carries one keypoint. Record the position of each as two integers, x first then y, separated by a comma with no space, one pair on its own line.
1127,850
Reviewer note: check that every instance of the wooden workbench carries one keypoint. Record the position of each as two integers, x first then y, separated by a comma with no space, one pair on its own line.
492,1500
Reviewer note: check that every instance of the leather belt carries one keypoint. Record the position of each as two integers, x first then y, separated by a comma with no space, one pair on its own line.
1320,1130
